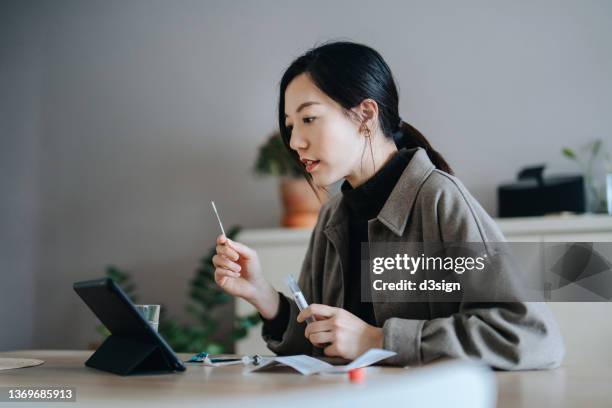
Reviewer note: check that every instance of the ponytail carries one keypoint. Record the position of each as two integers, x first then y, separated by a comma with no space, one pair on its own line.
407,136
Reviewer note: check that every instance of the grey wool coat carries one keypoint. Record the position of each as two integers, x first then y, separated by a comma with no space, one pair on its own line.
426,205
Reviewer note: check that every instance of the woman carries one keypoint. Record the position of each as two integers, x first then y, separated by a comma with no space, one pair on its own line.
338,115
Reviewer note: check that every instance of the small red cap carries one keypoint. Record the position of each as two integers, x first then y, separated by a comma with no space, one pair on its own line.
356,375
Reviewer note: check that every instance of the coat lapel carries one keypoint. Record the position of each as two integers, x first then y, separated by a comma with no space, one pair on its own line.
336,231
394,214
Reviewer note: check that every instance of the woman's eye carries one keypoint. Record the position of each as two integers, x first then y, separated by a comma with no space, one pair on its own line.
308,119
289,128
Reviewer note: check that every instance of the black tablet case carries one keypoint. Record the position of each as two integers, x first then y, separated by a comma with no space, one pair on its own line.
133,352
124,357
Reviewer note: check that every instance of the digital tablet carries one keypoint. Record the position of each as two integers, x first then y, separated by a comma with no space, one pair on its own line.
128,327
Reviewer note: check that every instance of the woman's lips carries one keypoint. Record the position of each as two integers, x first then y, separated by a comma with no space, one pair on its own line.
311,166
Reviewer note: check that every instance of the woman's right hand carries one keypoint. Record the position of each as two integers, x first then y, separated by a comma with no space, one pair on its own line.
238,272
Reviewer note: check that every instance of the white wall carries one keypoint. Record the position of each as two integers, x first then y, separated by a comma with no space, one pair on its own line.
132,116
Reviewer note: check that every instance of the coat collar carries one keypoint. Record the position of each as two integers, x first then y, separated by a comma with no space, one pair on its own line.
394,214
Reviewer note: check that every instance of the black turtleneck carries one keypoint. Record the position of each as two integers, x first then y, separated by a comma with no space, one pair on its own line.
363,203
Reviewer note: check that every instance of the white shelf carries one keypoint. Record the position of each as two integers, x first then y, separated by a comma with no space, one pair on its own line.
582,223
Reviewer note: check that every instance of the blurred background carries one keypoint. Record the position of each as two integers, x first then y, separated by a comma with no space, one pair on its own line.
121,120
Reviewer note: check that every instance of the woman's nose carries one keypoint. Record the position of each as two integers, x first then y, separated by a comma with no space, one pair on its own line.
297,141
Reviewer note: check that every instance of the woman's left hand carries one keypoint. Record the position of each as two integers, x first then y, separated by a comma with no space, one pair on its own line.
343,334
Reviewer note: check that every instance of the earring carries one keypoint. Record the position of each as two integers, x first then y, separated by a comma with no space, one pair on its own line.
369,137
367,132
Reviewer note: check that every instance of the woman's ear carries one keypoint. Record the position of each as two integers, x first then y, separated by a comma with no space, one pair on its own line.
368,112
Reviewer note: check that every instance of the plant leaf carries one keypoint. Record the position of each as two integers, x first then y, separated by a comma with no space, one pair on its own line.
569,153
596,147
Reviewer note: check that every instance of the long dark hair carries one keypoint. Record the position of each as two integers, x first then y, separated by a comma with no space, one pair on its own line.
349,73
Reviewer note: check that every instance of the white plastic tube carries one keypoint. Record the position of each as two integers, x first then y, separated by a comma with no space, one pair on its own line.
298,296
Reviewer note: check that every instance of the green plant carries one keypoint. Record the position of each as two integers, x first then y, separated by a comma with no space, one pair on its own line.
273,159
205,297
587,159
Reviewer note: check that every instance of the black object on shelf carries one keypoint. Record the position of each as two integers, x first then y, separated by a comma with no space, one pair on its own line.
534,195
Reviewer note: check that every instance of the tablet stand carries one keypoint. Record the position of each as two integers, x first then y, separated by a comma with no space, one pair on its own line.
126,356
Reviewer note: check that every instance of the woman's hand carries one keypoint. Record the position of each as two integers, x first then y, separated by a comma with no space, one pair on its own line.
343,334
238,273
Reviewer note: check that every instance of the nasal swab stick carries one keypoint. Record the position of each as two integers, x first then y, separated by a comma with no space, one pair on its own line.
218,219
